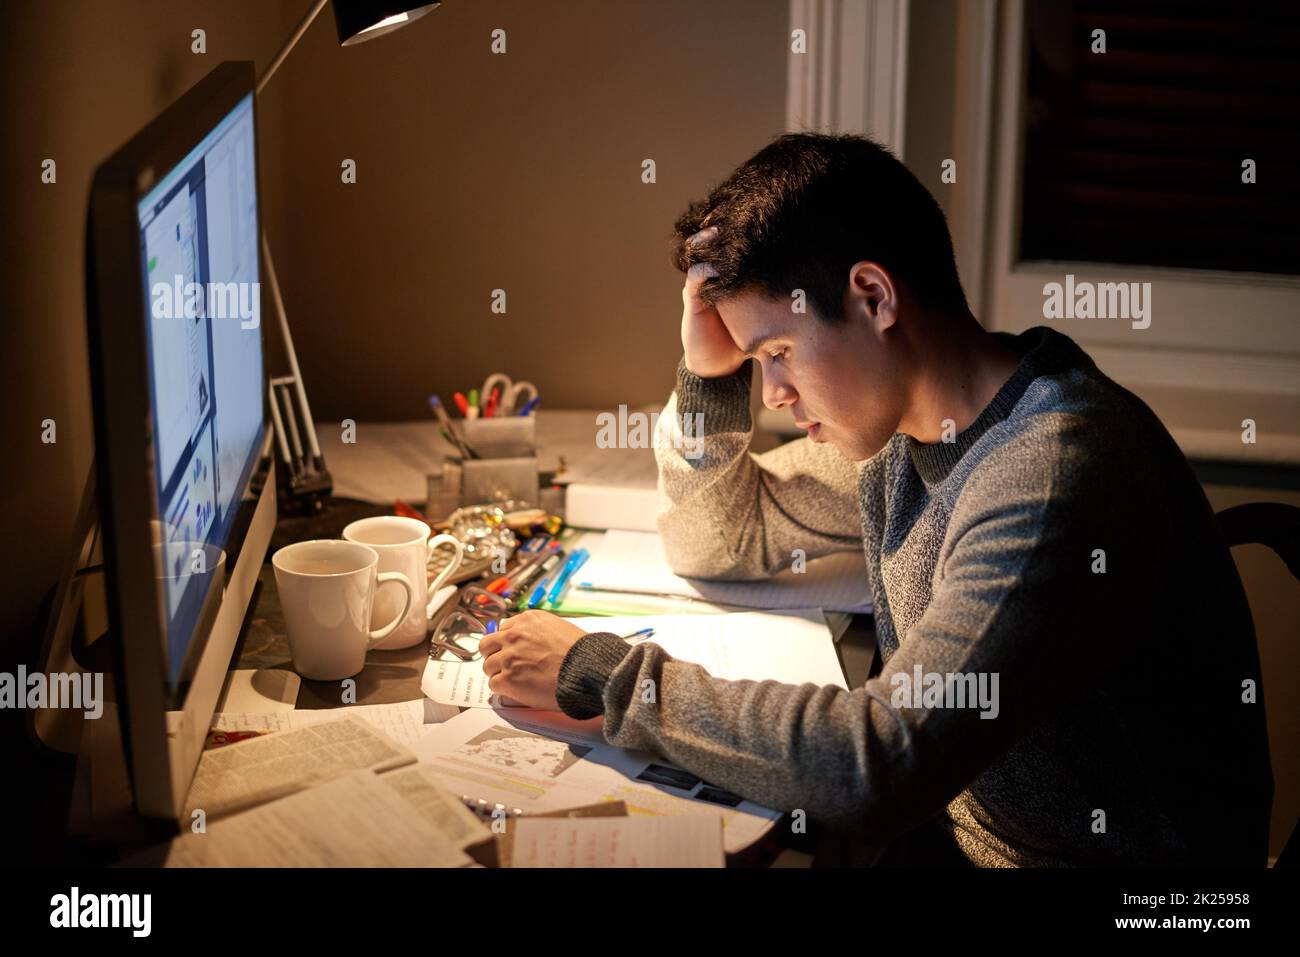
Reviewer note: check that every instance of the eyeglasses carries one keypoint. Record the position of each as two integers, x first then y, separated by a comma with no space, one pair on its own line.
483,604
457,638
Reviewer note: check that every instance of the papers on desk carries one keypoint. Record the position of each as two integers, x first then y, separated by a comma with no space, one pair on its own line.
405,722
618,842
400,819
266,768
538,761
635,562
794,647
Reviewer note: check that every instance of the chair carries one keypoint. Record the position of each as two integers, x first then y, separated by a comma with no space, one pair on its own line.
1277,526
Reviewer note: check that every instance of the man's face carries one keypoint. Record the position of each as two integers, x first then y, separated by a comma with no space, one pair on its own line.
838,381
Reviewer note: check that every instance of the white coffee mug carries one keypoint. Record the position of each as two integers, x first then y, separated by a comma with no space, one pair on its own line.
404,546
327,589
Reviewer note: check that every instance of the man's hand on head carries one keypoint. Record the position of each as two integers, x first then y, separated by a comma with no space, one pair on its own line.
522,658
710,352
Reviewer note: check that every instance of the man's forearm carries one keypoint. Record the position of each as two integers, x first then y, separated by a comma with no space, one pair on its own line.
727,514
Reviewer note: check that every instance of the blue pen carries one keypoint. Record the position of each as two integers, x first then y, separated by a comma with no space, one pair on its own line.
641,635
530,405
538,594
572,565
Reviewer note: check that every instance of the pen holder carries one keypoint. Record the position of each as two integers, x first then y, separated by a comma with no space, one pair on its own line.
479,482
501,438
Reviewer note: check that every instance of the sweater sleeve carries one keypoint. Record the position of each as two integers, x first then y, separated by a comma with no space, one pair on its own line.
1012,607
726,513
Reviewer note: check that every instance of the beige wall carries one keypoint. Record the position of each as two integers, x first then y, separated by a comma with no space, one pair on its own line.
521,172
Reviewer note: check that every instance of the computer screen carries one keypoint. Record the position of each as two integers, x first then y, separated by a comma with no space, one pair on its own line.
198,235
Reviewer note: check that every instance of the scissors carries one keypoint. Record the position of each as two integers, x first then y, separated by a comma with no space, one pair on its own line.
514,395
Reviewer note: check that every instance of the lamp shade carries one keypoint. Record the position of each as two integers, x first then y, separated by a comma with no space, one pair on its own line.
362,20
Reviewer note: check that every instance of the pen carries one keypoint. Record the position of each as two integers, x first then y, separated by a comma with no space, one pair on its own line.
572,565
539,571
461,404
530,405
526,567
445,421
642,634
492,401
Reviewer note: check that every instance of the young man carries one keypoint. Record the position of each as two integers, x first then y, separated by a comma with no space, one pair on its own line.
1029,528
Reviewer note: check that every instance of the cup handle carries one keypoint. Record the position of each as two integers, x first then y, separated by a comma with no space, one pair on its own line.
379,634
446,573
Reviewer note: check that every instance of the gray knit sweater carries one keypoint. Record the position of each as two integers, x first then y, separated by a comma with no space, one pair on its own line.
1060,551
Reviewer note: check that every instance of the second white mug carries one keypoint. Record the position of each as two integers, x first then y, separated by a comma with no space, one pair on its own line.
404,546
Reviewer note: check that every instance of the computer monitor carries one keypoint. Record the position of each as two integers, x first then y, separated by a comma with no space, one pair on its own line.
179,393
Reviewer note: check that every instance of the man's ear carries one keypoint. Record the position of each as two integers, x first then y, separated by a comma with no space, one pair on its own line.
872,295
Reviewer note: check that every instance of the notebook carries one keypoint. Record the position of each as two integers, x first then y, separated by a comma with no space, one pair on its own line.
634,562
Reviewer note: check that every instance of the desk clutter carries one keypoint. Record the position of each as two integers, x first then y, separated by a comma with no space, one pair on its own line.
463,777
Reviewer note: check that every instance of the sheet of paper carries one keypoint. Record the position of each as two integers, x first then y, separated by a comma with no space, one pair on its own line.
357,820
792,646
618,842
635,562
405,722
262,769
532,762
420,788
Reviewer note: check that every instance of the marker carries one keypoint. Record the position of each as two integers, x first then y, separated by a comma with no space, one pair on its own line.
473,410
572,565
462,404
530,405
492,401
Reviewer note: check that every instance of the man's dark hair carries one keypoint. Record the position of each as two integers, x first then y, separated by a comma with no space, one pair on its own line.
804,209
